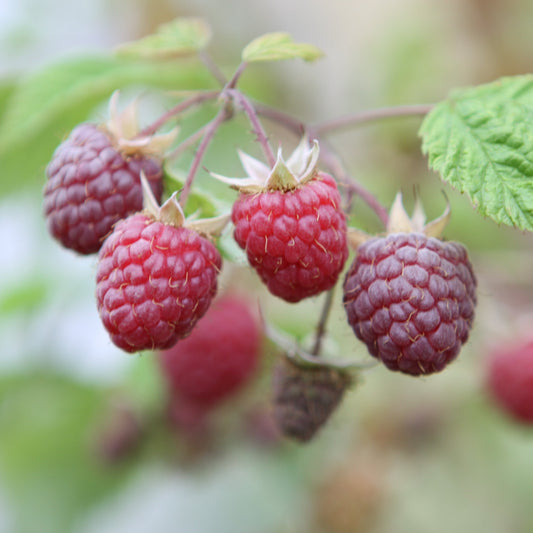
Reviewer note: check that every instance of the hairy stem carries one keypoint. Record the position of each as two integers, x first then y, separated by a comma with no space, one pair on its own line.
257,127
210,130
176,110
355,119
321,326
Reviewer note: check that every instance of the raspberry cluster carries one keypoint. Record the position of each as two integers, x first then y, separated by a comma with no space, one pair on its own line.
409,296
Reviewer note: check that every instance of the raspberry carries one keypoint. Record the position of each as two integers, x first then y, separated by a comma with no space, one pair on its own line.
154,281
218,358
289,221
92,185
509,380
295,240
410,298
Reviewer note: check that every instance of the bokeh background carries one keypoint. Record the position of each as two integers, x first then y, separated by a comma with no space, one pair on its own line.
410,455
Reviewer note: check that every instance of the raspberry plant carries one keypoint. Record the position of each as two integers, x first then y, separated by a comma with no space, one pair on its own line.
409,294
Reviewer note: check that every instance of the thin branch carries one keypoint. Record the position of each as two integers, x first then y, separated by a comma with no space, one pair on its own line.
213,68
371,115
321,326
289,122
327,156
188,142
251,113
176,110
236,76
209,133
331,160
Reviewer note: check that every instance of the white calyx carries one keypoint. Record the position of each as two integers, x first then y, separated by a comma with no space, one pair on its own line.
285,175
124,128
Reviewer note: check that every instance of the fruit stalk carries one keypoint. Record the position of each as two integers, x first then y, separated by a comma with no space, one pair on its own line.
176,110
371,115
258,129
321,326
223,115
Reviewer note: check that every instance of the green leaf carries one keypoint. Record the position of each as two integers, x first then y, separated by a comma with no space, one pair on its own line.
177,38
278,46
49,103
481,141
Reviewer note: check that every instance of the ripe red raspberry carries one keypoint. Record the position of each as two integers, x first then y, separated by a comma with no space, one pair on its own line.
295,240
410,298
510,380
290,222
91,185
219,356
154,281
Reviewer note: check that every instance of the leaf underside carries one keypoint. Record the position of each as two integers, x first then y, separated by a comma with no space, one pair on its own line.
279,46
182,36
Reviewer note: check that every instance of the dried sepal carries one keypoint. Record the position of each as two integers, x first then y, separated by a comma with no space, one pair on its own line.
436,227
356,237
212,227
401,222
125,133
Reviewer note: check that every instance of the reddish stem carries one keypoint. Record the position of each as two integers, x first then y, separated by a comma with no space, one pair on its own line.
209,133
236,76
188,142
355,119
213,68
176,110
321,326
289,122
333,163
327,156
257,127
